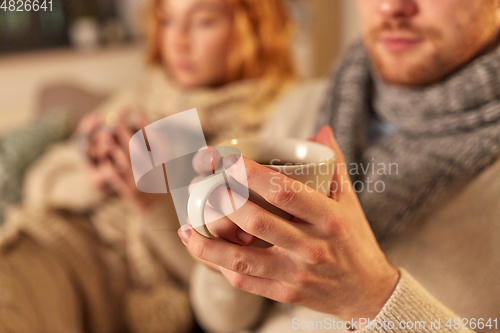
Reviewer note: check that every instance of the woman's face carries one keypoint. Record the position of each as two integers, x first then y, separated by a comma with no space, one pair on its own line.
194,41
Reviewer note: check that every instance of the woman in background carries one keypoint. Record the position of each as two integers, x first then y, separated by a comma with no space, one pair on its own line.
80,254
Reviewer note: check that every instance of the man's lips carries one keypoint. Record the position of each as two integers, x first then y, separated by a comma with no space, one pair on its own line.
400,43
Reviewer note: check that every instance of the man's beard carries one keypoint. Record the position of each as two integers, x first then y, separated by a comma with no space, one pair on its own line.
418,72
433,66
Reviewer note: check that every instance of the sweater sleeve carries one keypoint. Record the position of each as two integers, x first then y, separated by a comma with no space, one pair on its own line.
412,309
51,181
219,307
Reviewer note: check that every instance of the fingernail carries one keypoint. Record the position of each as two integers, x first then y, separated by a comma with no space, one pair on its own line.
207,159
230,161
243,236
185,233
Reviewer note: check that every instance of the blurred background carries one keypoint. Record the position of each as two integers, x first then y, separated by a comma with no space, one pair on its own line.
85,50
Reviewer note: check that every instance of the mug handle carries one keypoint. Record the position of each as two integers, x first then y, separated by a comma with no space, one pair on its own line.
198,199
196,207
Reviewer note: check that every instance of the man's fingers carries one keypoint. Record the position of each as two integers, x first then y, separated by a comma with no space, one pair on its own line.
206,160
222,227
217,223
290,195
240,259
208,264
255,220
341,189
325,137
266,287
195,181
262,272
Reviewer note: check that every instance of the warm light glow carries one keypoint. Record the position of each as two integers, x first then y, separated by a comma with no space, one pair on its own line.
301,151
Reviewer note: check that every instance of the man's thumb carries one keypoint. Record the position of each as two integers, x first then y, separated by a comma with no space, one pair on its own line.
341,183
325,137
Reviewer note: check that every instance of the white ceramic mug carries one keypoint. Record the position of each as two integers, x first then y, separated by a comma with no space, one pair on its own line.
305,161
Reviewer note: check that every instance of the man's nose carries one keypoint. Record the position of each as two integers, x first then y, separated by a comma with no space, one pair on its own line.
398,8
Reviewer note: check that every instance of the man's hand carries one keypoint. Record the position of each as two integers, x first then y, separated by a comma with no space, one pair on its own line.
204,162
326,258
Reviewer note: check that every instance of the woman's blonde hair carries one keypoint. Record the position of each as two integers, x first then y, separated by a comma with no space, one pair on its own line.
261,48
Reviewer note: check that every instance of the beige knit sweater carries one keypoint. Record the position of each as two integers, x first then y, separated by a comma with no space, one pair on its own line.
221,308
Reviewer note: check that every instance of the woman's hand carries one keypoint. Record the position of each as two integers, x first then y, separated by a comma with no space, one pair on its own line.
326,258
109,166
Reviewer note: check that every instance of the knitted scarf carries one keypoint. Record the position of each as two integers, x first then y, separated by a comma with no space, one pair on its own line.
448,132
233,110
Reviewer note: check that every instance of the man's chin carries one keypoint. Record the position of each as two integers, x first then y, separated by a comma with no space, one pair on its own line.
416,67
406,78
399,80
406,71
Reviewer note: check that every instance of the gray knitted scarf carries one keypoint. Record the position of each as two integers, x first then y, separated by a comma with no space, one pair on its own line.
447,133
